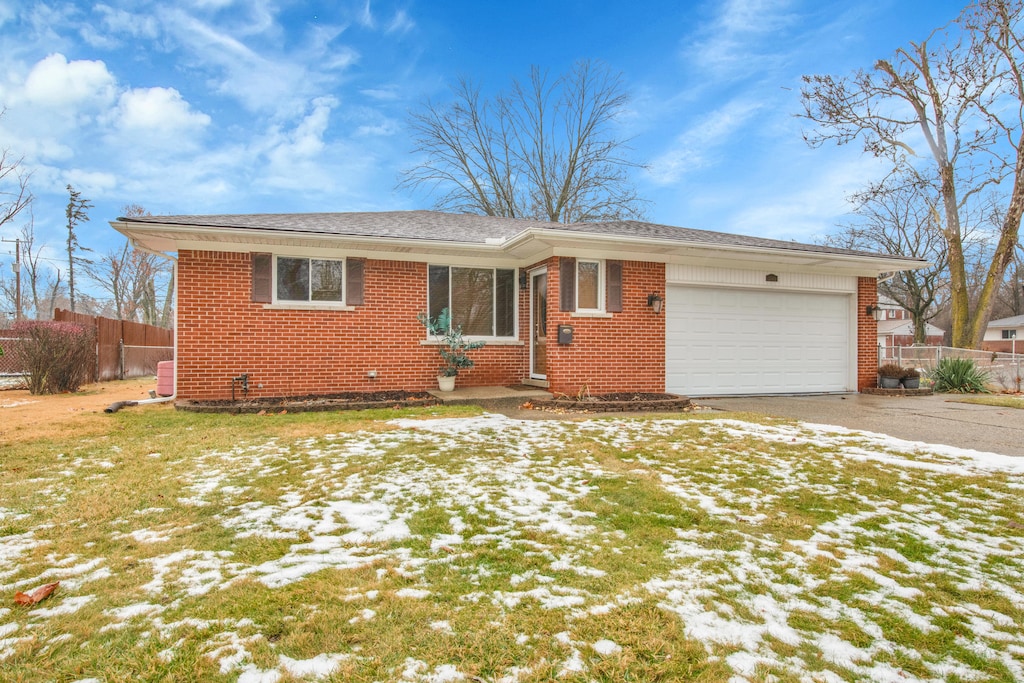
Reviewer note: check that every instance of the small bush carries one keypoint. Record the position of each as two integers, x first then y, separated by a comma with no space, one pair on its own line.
57,357
959,376
910,373
890,370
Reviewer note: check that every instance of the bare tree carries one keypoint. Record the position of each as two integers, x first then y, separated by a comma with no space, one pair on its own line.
77,212
1010,298
545,149
900,217
960,91
132,278
14,191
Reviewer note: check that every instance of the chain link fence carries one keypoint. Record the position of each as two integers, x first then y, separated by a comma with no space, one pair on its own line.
1005,370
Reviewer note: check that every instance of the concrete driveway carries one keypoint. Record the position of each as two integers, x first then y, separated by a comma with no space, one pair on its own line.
932,419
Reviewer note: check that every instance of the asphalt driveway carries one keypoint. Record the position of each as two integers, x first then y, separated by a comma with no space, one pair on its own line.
932,419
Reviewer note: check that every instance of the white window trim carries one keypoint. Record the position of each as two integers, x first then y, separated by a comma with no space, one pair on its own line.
490,339
580,310
309,304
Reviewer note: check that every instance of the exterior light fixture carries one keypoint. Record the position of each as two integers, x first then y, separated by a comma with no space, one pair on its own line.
874,310
655,301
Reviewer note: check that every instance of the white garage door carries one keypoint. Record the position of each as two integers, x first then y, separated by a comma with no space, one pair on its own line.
722,342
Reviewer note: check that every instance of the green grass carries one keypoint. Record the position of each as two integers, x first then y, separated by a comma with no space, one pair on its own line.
999,401
202,546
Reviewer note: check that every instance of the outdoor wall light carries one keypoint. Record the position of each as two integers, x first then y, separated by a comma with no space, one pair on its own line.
655,301
875,311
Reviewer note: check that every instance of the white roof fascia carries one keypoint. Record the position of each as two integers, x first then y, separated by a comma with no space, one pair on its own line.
525,248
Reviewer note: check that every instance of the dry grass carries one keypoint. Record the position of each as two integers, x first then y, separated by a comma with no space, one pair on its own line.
365,548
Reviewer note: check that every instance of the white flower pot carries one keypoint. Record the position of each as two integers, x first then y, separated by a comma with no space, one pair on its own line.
446,383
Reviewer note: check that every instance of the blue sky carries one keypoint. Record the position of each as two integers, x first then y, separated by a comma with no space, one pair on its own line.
225,106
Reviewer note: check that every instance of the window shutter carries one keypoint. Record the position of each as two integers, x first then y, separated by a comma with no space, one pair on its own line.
262,278
354,281
614,279
567,284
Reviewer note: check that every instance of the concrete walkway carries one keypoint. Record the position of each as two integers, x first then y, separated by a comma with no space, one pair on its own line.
491,398
932,419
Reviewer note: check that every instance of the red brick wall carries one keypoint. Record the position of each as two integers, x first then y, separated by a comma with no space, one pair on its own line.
867,334
222,334
625,352
1004,345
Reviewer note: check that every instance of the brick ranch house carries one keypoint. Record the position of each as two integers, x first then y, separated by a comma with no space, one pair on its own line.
324,303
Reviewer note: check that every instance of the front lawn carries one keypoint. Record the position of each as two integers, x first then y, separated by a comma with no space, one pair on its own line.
446,545
996,400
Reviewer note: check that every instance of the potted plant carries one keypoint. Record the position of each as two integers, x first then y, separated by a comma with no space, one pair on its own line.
911,378
452,347
889,376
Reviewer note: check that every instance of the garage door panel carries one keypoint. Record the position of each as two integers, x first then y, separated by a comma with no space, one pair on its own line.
722,341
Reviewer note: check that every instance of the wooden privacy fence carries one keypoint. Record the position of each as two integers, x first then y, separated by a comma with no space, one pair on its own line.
124,348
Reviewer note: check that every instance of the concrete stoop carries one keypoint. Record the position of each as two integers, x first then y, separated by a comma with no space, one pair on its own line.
490,397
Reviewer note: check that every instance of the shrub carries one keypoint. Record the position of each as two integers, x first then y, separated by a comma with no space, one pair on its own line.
57,356
890,370
910,373
959,376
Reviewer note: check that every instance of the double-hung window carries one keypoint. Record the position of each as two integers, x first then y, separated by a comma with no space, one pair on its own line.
481,300
310,279
589,286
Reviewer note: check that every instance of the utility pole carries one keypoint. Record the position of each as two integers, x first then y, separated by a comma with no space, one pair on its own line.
17,277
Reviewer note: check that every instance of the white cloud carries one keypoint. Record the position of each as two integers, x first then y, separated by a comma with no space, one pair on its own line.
804,200
730,44
55,82
287,149
400,23
691,150
158,110
136,25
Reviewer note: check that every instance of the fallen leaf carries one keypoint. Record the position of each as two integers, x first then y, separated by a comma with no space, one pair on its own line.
448,549
37,595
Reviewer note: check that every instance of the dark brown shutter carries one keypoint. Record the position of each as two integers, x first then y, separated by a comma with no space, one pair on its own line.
354,281
262,278
614,275
567,284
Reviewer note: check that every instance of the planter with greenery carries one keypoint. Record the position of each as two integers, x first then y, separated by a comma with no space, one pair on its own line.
889,376
452,347
910,379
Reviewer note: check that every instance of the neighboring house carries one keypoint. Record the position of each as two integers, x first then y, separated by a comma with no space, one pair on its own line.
896,326
1005,334
322,303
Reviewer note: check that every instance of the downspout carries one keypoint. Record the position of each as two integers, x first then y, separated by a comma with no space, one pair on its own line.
113,408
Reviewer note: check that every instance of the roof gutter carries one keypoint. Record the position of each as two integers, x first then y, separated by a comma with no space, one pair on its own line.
498,247
542,234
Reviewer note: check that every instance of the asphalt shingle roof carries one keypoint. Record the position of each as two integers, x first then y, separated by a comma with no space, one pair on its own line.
470,228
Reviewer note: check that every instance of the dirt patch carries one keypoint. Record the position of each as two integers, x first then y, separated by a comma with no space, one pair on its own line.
26,417
614,403
354,400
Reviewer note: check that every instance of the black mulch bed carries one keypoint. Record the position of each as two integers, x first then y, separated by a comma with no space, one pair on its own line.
350,400
616,402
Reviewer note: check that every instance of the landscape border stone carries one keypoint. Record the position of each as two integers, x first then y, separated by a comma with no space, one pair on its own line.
878,391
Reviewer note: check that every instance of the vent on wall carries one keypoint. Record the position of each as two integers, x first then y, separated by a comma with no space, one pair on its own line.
771,277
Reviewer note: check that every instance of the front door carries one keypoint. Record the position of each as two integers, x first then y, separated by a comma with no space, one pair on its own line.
539,324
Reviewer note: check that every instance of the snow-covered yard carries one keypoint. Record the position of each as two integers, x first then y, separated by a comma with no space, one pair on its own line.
481,548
